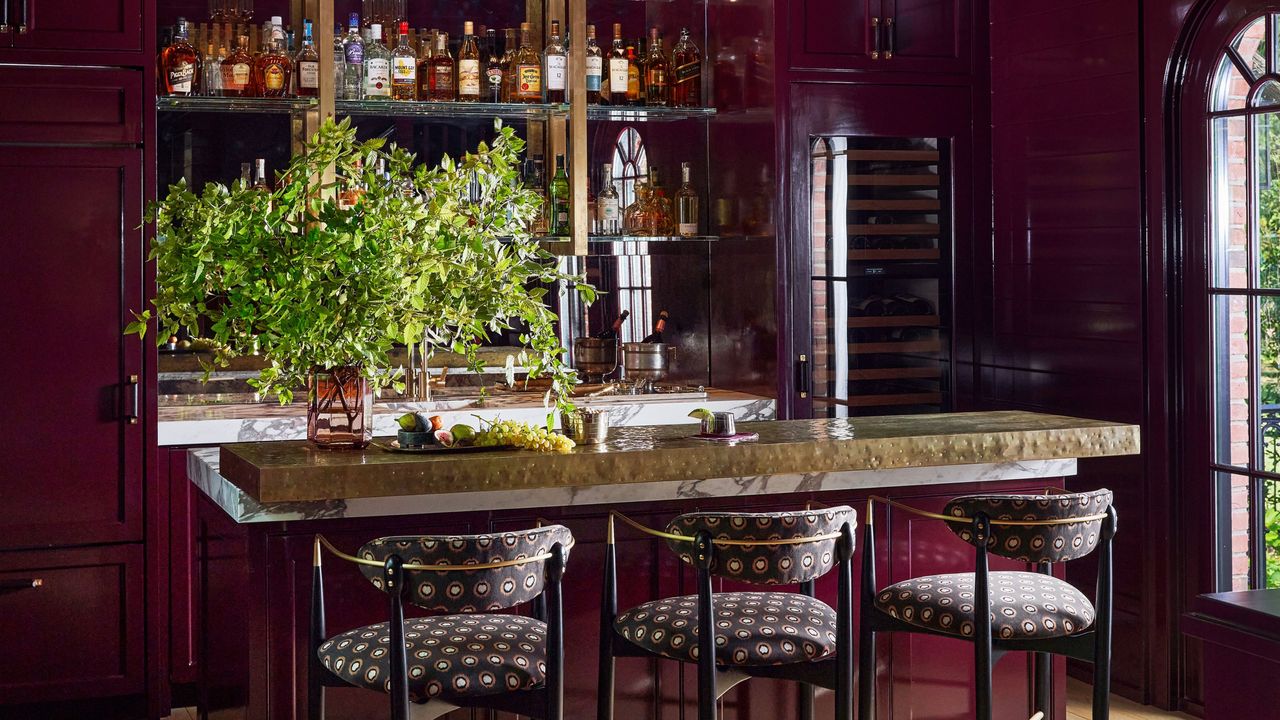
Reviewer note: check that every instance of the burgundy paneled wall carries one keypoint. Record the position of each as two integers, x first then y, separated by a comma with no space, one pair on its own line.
1061,325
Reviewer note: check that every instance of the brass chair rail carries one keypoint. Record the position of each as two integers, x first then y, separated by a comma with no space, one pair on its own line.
962,518
323,541
726,542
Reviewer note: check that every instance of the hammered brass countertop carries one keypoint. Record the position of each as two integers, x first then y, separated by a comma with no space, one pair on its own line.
293,471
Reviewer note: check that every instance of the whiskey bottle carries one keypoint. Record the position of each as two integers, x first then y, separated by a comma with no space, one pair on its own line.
656,66
237,69
469,84
619,69
441,83
377,66
560,199
493,70
404,68
686,205
608,205
353,57
273,68
308,64
686,72
595,67
527,84
180,65
555,67
634,79
509,50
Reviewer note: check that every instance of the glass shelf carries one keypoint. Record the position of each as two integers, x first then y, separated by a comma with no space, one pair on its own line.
230,104
648,114
423,108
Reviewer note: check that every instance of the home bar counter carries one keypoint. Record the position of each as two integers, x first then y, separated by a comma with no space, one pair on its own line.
262,504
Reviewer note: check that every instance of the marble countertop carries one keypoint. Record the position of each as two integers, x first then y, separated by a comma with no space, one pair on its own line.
292,472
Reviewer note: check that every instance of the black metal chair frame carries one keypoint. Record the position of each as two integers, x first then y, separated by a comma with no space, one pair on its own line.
1093,645
833,672
548,607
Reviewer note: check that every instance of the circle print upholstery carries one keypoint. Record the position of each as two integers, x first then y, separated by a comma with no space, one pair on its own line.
752,628
766,564
1024,605
1035,543
451,656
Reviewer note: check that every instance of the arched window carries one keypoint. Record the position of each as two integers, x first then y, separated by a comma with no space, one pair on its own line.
635,272
1244,301
630,163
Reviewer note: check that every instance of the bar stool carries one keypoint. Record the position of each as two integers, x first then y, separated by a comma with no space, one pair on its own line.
732,636
470,657
1003,611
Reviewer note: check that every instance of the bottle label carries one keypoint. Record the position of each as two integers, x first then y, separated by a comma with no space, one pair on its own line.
595,68
405,70
469,78
618,73
688,72
273,77
377,78
688,229
240,75
608,210
529,79
354,52
556,71
309,74
180,78
494,76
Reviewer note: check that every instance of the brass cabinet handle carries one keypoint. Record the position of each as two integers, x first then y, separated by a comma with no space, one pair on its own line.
890,38
22,29
875,38
131,416
802,376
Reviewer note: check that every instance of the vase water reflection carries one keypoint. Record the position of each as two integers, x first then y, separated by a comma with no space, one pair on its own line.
339,409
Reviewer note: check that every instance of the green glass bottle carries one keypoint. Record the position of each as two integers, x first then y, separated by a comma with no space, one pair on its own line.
560,199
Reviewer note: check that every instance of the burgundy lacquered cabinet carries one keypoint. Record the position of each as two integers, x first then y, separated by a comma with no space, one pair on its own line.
911,36
114,25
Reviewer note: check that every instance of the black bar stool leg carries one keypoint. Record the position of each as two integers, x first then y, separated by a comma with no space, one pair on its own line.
608,611
1102,624
1043,696
706,629
982,622
867,636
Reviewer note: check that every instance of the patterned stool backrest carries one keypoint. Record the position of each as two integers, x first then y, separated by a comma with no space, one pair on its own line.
469,591
766,564
1034,543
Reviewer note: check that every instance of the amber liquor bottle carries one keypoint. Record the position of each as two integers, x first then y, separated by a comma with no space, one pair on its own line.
657,90
272,69
686,72
404,68
635,78
595,67
469,79
441,83
619,69
556,69
180,65
237,70
308,64
527,84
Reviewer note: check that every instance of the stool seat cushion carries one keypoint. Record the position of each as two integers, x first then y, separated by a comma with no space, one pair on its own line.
752,628
1024,605
450,656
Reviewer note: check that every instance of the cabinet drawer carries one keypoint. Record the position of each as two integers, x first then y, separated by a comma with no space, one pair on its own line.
77,25
80,633
50,105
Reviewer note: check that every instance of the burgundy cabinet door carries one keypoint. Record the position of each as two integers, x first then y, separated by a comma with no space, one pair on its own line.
833,33
928,35
52,105
71,275
78,635
77,25
919,36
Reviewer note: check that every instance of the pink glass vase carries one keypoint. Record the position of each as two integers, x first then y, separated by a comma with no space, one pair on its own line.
339,409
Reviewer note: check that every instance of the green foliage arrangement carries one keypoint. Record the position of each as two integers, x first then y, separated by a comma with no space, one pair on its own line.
439,256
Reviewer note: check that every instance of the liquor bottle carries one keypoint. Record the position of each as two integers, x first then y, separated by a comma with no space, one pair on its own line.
619,69
180,65
353,58
686,72
658,328
441,81
246,175
493,70
308,64
469,84
560,199
509,49
211,71
260,175
608,205
686,205
273,68
595,67
657,90
404,68
661,219
612,332
377,66
555,67
237,69
633,78
635,217
527,85
534,180
339,64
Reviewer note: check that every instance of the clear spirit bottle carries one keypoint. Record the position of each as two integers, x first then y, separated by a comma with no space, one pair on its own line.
377,66
686,205
353,58
608,205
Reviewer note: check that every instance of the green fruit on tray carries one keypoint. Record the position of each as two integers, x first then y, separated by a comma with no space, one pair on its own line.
463,434
408,422
443,438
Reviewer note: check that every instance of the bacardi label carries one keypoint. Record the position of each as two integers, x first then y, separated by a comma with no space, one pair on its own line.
557,65
377,78
469,78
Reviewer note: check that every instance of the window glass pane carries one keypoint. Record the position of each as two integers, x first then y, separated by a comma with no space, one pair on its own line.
1267,94
1266,172
1229,88
1270,532
1231,391
1251,46
1269,387
1229,187
1233,532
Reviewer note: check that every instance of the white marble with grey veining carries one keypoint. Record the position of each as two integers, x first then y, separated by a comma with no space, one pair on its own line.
202,469
214,425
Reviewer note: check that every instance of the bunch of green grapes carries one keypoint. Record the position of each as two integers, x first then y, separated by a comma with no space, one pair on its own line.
526,436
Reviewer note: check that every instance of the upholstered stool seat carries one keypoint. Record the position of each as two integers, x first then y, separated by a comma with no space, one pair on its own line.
450,656
752,628
1024,605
